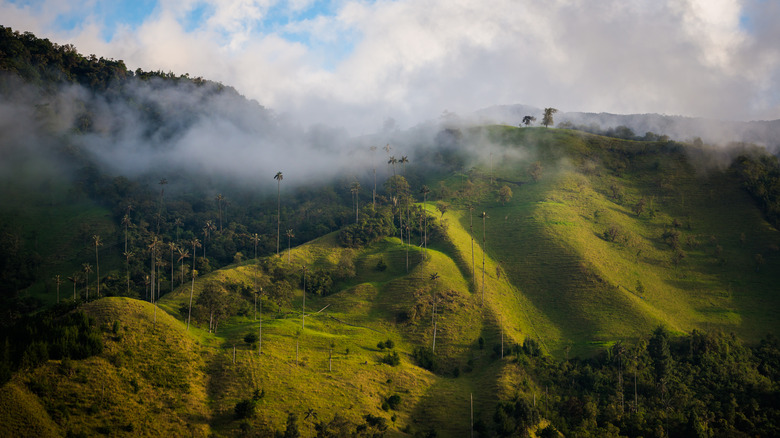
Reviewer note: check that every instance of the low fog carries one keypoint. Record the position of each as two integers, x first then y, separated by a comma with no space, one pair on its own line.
208,133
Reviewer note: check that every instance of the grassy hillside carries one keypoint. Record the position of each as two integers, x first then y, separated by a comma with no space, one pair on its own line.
594,287
339,367
150,380
614,239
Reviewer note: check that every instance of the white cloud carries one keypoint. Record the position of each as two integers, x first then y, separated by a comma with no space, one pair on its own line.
411,60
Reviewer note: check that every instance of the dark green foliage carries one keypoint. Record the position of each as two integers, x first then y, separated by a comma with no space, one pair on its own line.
49,335
381,265
393,401
702,384
291,429
425,358
612,234
245,409
514,419
531,347
760,175
250,338
392,359
389,344
371,228
373,425
17,263
319,282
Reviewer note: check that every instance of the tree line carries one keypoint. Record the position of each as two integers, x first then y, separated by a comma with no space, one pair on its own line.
703,384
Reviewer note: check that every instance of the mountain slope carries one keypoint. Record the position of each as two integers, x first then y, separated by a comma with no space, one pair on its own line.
554,239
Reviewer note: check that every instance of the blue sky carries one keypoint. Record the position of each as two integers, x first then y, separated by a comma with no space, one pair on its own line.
358,63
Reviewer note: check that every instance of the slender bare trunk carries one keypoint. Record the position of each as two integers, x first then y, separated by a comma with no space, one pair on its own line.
278,213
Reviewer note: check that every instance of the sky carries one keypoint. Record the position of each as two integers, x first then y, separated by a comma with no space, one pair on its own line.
365,65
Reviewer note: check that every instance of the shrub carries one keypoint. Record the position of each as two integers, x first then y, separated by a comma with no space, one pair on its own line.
393,401
245,409
425,358
250,338
392,359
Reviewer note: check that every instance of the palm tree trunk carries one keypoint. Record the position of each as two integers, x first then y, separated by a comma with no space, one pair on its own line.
152,274
97,268
303,307
192,288
483,259
278,213
260,330
471,232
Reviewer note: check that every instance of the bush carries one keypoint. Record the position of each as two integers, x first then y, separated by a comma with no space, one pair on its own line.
393,401
381,266
245,409
389,344
250,338
392,359
425,358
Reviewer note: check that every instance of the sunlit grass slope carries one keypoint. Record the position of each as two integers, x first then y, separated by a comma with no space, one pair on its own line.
150,380
588,289
333,365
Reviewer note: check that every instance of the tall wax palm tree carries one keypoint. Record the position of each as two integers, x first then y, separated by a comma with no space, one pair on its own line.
183,254
303,306
471,233
159,264
409,242
87,270
153,264
74,279
483,216
146,285
387,149
392,161
255,240
425,190
58,282
404,159
172,246
98,243
434,277
219,200
373,194
290,235
127,255
195,244
355,189
278,177
126,223
207,229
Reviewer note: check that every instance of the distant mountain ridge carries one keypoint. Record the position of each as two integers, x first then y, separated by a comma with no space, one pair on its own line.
766,133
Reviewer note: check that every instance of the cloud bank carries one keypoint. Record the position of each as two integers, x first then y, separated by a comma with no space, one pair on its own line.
355,64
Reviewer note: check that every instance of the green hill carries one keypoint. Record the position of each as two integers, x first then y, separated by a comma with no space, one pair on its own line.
571,264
